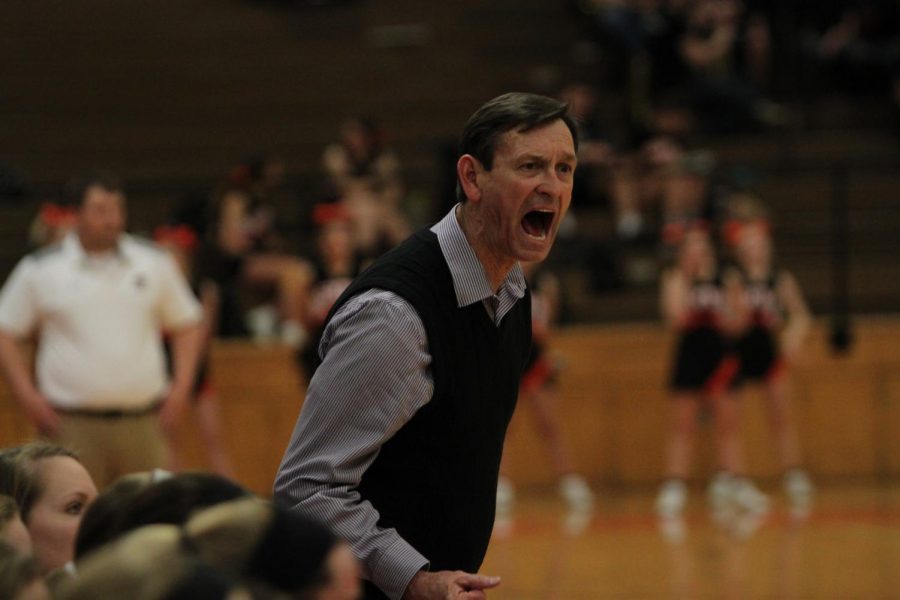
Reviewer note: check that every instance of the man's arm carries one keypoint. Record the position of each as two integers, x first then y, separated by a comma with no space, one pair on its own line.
18,319
186,344
18,377
181,314
373,378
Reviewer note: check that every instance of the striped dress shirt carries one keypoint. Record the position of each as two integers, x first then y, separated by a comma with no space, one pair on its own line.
375,374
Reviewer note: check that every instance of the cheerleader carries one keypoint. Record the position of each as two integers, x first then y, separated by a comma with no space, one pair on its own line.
774,321
696,306
538,390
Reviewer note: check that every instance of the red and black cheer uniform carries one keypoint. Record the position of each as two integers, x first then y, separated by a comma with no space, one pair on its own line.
704,359
539,369
757,347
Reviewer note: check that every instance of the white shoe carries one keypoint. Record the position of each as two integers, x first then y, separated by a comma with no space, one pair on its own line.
506,497
671,498
719,492
672,528
747,497
799,488
576,492
294,334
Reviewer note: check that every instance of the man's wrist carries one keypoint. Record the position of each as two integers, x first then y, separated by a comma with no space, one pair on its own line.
396,568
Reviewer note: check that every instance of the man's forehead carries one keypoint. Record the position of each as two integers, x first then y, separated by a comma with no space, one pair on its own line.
99,193
553,137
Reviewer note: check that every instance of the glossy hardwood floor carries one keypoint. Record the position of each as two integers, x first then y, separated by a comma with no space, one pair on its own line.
848,547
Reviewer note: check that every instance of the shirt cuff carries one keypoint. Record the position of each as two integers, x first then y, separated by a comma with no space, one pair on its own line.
396,567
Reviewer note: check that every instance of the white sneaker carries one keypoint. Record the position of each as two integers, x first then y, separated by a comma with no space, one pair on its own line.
747,497
719,492
799,488
294,334
506,496
672,528
576,492
671,498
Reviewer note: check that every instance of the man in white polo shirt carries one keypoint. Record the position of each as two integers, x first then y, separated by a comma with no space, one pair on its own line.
98,302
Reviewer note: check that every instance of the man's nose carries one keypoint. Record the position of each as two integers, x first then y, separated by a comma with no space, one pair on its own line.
551,185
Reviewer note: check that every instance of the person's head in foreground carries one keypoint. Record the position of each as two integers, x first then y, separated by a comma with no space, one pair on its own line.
102,521
517,160
151,563
20,578
52,490
151,498
280,548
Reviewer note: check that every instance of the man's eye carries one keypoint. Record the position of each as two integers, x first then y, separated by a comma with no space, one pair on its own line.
565,168
75,508
529,166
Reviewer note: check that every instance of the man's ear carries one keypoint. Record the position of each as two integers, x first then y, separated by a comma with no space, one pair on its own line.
468,168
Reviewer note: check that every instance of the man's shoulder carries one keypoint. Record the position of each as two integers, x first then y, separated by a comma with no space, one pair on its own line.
143,252
45,254
419,252
142,246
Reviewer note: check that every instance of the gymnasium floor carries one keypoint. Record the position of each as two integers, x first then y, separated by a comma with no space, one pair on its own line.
848,547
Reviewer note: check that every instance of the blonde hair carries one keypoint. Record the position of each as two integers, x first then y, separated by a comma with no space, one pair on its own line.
227,535
27,485
143,565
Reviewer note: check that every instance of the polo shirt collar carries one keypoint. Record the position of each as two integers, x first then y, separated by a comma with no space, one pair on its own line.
72,246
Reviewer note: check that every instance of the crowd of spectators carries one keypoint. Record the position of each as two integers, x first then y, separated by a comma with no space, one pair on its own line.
264,259
676,77
156,536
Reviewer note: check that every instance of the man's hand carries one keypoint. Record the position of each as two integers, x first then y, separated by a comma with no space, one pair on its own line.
41,414
172,408
449,585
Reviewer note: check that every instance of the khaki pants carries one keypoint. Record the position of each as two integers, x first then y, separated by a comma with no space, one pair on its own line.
110,447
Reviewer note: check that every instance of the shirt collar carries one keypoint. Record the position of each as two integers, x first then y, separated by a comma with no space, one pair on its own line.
72,245
469,278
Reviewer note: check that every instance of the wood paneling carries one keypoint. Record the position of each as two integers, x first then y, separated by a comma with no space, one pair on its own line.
613,408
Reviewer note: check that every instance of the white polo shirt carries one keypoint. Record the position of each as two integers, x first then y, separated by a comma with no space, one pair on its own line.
99,321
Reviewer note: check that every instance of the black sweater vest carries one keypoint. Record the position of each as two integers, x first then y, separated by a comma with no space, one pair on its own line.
435,480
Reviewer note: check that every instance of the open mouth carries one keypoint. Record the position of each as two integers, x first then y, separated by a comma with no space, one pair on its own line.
537,223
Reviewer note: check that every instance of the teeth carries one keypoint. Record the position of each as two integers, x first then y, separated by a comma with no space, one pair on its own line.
542,236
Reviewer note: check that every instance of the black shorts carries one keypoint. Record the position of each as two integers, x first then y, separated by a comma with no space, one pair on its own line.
757,351
703,360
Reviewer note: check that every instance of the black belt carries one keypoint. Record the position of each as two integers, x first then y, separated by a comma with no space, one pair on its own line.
110,413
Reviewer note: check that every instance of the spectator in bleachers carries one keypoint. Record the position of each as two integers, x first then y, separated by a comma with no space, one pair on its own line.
52,223
97,301
52,490
235,259
262,178
365,176
724,54
20,578
861,49
336,262
361,161
595,153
